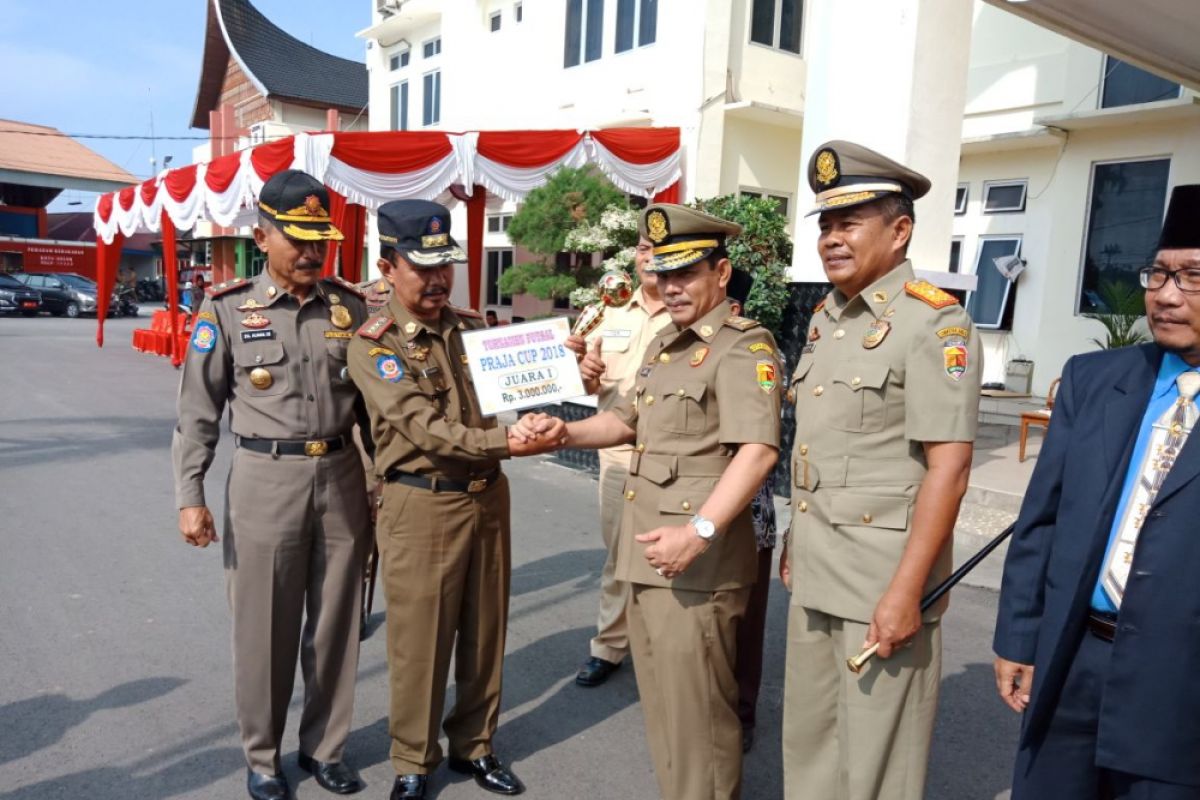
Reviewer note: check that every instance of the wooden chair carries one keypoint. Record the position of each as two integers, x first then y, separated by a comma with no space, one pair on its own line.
1039,417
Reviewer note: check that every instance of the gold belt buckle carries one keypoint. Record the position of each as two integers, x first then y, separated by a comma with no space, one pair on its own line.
477,485
315,449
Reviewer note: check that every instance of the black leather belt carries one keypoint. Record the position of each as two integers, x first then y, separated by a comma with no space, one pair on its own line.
1102,625
284,447
442,484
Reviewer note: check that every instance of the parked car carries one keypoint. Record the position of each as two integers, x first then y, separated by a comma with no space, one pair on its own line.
16,296
63,292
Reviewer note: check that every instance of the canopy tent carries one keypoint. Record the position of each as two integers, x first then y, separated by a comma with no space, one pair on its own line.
365,170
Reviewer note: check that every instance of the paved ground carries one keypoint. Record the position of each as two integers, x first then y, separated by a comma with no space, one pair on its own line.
116,680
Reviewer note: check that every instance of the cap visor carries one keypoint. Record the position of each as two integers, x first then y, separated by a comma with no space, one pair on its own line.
678,259
312,232
437,257
846,201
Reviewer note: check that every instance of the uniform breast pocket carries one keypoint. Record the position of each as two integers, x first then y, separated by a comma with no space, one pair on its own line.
261,368
796,382
335,355
615,342
858,397
683,408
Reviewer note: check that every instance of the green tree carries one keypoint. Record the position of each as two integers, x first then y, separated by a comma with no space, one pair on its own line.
1125,309
763,249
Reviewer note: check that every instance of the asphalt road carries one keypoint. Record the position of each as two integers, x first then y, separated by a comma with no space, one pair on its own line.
115,682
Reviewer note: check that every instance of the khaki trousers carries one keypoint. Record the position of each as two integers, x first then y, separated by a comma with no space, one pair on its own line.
856,737
296,534
684,648
445,559
611,641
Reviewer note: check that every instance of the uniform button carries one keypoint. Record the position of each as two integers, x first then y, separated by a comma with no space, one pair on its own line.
679,392
685,505
817,392
866,518
839,333
650,400
803,449
855,381
641,448
630,494
258,359
802,507
665,358
305,359
311,398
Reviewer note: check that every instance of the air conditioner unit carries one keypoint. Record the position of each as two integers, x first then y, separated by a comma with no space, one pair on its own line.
388,7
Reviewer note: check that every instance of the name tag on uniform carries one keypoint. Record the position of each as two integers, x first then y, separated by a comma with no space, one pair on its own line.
623,333
254,336
339,334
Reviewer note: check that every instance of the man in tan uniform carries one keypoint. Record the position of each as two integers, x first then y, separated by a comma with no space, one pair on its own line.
609,369
887,398
297,518
443,525
704,414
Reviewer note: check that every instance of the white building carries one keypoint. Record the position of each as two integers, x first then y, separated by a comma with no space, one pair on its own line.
1066,156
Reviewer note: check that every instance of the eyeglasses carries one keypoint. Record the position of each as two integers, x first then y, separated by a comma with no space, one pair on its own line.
1153,278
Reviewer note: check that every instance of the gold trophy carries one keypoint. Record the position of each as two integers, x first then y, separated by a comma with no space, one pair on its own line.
615,289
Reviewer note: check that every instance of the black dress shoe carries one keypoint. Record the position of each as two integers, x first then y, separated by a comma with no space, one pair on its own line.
267,787
490,774
747,739
409,787
333,777
595,671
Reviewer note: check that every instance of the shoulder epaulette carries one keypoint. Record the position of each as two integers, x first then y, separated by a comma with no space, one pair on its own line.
353,289
375,327
469,313
927,293
226,287
741,323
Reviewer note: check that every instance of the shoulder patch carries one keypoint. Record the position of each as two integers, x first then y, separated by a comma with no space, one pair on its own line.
375,327
741,323
342,283
468,313
227,286
821,304
929,294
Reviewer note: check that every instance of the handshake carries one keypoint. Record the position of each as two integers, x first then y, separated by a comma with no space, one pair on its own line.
535,434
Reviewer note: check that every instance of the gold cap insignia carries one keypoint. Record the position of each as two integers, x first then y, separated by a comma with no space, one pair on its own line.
827,168
656,226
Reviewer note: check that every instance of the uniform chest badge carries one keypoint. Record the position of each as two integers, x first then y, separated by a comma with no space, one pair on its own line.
410,328
260,378
765,370
814,335
340,317
204,337
699,356
250,305
389,369
256,321
876,333
706,331
418,352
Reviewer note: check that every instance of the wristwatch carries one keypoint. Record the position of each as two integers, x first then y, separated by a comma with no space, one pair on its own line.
705,528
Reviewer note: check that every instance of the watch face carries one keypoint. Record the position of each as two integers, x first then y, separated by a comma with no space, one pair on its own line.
704,528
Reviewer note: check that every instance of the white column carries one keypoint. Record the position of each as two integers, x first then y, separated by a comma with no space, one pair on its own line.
890,75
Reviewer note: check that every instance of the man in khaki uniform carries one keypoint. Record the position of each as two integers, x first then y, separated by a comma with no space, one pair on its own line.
704,416
609,372
887,398
443,524
297,518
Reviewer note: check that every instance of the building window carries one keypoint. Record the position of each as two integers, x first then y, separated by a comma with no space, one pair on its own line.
494,21
431,110
585,31
1004,197
1124,216
956,254
497,262
781,200
399,60
498,223
960,199
989,302
776,23
432,48
637,23
256,263
518,12
1126,85
400,106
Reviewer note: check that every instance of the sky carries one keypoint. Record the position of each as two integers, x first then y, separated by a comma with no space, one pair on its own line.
131,67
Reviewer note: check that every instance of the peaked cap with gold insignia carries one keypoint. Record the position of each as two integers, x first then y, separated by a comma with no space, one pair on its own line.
420,231
844,174
682,236
299,205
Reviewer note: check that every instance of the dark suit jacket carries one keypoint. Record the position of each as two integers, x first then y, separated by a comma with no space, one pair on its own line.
1150,716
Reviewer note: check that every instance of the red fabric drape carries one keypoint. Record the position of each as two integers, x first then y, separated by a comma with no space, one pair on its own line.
148,190
108,256
391,151
639,145
179,183
267,159
337,213
104,206
354,228
221,171
171,268
475,217
669,194
526,148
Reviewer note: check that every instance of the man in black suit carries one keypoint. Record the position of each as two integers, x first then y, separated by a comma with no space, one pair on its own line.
1098,633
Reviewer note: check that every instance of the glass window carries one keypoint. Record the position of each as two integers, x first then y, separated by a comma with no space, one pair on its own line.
594,30
1124,217
955,254
777,23
400,106
989,301
494,21
431,109
781,200
638,17
1002,197
518,12
433,47
399,60
585,31
960,199
498,223
1125,85
497,262
574,33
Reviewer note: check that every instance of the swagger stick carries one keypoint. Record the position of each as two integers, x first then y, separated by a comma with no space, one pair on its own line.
856,663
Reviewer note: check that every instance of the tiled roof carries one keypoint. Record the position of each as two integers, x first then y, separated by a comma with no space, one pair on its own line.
42,150
279,64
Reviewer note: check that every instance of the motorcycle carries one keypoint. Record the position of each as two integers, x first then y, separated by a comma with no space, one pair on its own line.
125,304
